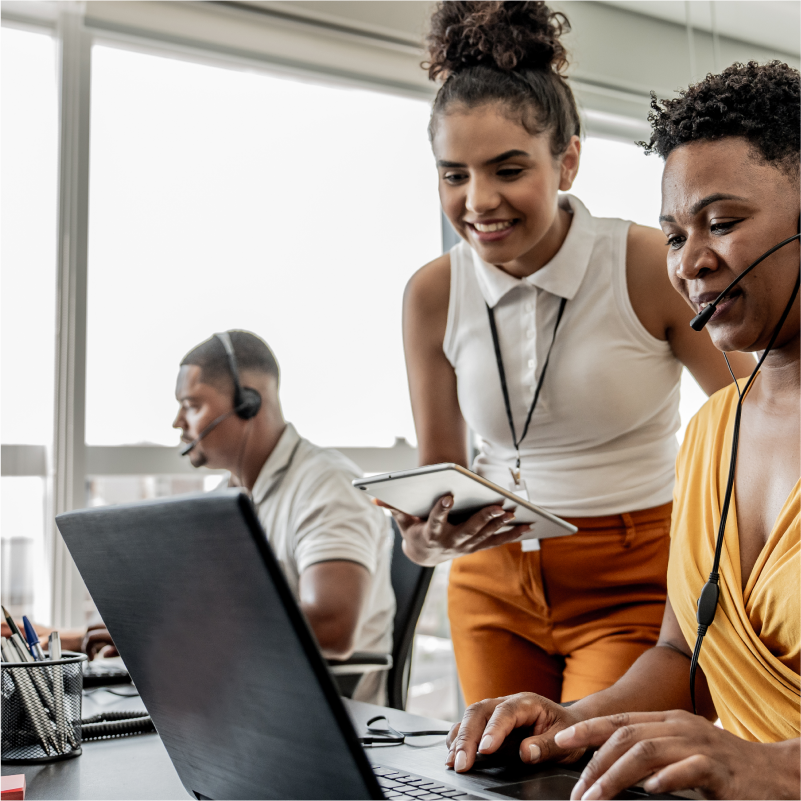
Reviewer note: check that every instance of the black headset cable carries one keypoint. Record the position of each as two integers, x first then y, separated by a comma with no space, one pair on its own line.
708,601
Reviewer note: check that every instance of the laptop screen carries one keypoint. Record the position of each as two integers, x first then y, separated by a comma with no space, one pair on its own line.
218,649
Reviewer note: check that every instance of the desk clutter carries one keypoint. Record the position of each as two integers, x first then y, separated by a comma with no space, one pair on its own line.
42,698
41,709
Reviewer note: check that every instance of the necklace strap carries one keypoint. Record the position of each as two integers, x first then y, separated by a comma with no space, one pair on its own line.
502,374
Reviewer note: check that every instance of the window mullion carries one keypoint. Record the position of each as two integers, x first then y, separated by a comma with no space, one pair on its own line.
67,469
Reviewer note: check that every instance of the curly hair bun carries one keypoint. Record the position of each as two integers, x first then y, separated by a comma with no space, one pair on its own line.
504,35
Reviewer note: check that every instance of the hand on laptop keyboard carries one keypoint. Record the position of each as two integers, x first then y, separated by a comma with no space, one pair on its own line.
487,724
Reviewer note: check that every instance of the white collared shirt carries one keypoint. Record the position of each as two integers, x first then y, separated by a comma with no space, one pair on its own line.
602,437
311,513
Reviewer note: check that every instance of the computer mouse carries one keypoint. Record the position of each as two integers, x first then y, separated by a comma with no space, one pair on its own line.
509,752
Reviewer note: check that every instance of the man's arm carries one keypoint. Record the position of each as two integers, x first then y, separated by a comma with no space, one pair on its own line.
332,596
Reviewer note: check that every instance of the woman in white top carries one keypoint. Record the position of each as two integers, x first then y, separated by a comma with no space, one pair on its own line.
599,447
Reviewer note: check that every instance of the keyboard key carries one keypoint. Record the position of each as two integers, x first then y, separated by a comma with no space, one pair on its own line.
430,797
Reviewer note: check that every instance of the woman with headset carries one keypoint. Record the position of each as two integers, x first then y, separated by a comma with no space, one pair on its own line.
537,283
731,214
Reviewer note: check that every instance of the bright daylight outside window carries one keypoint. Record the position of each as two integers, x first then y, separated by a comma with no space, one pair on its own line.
229,199
29,168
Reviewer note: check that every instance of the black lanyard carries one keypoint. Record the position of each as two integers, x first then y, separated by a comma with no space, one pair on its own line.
502,374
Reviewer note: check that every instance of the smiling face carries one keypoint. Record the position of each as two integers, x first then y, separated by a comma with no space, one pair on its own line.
498,186
722,208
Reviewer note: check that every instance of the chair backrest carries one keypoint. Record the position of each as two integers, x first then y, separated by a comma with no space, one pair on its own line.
410,584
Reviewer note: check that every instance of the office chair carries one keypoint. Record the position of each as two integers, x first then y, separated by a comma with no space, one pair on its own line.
410,584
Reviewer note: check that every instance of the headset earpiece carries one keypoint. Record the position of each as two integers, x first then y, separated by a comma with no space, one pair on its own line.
250,403
247,401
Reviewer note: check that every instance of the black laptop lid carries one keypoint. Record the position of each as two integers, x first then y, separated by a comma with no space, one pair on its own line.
218,648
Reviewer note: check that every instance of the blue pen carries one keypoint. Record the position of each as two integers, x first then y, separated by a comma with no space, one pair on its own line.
33,639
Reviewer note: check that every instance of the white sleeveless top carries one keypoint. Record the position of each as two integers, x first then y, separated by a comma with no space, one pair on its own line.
602,438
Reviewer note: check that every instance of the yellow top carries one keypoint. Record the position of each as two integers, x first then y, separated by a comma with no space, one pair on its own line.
750,654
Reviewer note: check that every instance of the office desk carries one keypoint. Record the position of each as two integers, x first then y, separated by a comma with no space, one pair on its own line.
126,768
138,767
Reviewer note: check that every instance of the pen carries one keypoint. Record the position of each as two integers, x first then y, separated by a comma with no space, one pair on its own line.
38,679
33,639
18,645
63,731
11,624
36,712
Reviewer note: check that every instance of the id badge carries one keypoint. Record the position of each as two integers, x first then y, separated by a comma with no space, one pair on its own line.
519,488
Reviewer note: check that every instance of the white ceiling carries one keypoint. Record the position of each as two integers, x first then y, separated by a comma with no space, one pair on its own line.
775,24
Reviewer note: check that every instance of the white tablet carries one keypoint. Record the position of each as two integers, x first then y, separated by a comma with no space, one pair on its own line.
416,491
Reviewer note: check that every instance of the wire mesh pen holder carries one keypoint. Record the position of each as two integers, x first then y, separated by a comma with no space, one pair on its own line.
41,709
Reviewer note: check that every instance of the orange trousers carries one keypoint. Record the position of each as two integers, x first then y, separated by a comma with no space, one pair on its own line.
567,620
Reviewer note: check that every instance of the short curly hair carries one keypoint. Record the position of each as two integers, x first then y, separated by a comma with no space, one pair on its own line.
759,102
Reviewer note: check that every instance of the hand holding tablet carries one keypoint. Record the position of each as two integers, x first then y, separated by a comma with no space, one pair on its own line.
445,511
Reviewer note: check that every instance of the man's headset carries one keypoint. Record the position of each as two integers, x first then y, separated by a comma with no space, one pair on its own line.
708,601
247,401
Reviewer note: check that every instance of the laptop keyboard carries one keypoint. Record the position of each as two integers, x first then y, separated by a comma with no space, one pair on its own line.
400,786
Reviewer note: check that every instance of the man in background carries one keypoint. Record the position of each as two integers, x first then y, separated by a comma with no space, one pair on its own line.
333,545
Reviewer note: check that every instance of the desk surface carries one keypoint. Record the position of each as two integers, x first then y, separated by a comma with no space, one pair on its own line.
138,767
129,767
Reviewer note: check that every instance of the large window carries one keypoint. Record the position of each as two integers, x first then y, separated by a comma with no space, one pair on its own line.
29,153
226,199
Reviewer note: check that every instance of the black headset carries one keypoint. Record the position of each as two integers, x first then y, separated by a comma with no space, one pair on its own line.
247,401
707,603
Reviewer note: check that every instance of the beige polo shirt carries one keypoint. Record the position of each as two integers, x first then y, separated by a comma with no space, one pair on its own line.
311,513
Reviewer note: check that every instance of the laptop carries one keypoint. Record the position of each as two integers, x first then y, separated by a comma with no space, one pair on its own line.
229,670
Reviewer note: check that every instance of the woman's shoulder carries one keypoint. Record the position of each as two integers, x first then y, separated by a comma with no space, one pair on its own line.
656,303
646,245
706,430
429,288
